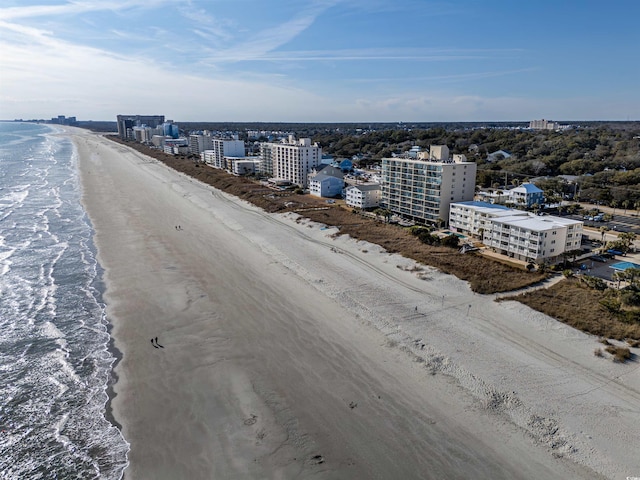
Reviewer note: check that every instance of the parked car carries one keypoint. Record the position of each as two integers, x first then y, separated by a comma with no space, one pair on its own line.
598,258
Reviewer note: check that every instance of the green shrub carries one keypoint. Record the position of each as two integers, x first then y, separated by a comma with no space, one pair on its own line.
611,304
594,282
630,298
426,237
450,241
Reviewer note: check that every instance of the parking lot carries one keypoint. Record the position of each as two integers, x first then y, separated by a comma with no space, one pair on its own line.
600,265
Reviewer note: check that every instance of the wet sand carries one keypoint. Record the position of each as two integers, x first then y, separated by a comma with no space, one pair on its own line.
288,353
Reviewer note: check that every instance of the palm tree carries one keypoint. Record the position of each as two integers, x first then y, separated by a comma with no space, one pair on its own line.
626,204
619,276
603,230
632,274
627,239
535,207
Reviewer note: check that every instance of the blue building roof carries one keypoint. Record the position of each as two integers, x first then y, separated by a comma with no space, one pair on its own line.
475,203
346,165
530,188
321,177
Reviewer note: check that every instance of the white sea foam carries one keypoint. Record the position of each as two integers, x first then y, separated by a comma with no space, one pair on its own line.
14,198
54,352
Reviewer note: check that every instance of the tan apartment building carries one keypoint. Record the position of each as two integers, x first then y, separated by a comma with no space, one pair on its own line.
422,189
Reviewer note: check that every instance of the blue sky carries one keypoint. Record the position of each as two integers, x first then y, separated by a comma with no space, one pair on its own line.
321,60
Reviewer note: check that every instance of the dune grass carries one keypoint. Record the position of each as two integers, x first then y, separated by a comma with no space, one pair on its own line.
574,303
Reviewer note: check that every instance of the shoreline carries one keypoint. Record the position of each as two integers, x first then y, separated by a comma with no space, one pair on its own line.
100,286
409,344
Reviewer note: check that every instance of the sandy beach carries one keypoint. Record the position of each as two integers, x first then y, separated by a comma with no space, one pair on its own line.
284,351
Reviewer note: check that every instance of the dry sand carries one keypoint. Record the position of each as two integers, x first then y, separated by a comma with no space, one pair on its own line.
291,353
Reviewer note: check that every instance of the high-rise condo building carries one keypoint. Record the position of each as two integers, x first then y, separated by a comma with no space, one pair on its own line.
198,143
421,189
221,148
291,159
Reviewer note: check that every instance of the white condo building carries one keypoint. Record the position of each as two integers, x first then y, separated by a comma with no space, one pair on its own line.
474,217
198,143
543,125
220,148
267,159
516,233
364,195
291,160
423,188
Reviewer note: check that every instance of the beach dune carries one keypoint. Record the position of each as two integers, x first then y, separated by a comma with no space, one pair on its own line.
283,352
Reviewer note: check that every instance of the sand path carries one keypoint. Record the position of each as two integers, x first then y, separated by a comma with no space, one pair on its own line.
288,353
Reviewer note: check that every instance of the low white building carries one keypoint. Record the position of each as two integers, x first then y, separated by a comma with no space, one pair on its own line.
474,218
242,165
534,238
366,195
157,141
516,233
176,146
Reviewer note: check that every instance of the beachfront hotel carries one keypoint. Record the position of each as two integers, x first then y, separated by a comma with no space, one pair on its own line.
516,233
198,143
291,159
221,148
422,189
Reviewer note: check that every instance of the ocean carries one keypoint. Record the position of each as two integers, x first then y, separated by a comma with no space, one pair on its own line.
55,361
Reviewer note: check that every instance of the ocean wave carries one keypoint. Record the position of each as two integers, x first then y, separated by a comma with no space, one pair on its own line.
55,364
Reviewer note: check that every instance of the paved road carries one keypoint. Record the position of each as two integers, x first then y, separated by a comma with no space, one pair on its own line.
623,220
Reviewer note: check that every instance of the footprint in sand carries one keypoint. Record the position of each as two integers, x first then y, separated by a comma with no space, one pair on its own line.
251,420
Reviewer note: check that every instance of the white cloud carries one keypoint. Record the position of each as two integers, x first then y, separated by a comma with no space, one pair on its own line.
258,45
70,8
58,76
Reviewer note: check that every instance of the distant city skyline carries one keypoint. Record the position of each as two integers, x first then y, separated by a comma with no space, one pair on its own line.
321,60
